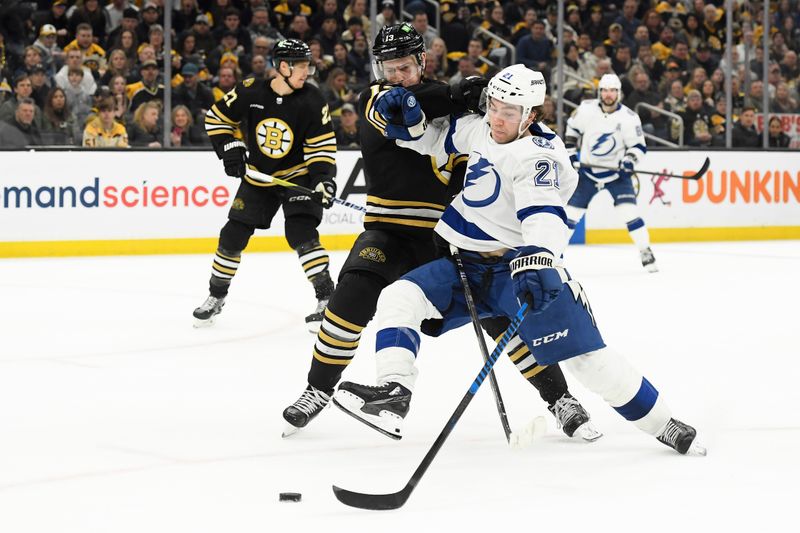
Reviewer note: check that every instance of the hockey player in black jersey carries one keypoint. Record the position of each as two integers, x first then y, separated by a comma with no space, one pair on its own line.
406,194
288,134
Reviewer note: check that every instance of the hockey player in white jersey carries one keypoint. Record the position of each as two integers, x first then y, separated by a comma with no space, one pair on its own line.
510,226
610,135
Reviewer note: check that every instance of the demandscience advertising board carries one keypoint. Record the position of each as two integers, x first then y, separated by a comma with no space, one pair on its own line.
133,202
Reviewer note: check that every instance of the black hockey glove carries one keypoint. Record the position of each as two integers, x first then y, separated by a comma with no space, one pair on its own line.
534,277
468,92
234,157
324,193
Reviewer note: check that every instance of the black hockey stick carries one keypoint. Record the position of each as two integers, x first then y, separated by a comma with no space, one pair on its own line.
266,178
696,176
381,502
473,313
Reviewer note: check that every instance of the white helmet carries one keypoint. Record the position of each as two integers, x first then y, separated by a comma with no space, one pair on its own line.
518,85
610,81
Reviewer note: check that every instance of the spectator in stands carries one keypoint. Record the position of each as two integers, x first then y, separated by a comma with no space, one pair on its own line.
718,121
680,55
622,61
572,86
523,27
744,132
232,23
23,88
226,80
145,128
420,23
358,8
691,32
149,17
627,20
75,60
184,130
641,39
117,66
496,24
662,47
696,121
59,125
790,67
204,40
103,131
192,94
129,22
713,28
696,82
388,15
93,16
80,102
347,134
704,59
614,40
514,11
359,57
84,41
783,102
261,27
671,74
20,130
330,8
40,85
646,60
535,50
228,45
183,18
466,68
322,63
299,29
328,35
57,18
456,29
128,43
354,27
791,33
755,96
574,20
709,93
336,91
148,88
652,121
259,68
777,137
341,60
52,54
597,28
117,85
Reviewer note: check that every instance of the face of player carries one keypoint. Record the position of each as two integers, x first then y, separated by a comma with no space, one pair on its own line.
609,96
504,120
297,74
403,71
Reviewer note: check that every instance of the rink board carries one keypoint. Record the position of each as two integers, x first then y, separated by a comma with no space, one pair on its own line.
56,203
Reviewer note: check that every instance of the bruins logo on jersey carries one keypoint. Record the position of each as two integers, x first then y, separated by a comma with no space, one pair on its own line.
370,253
238,204
274,137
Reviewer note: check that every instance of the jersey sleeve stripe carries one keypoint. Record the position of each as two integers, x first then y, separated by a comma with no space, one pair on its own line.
323,148
401,222
522,214
402,203
321,159
320,138
458,223
437,173
449,146
215,112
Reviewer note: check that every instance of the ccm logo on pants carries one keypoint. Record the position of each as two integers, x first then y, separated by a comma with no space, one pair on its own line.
550,338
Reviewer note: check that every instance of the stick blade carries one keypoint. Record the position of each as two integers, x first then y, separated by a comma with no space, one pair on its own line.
372,502
702,170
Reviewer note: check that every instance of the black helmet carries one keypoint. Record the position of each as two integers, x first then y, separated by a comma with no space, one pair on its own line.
394,42
291,50
398,40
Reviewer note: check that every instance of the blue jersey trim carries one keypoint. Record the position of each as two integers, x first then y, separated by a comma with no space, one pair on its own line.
635,224
522,214
602,174
640,147
641,404
536,129
453,218
449,146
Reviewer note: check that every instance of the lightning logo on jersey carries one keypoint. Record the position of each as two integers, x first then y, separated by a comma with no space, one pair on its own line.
476,171
580,296
601,141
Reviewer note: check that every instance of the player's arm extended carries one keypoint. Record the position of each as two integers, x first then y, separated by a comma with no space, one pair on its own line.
451,134
572,138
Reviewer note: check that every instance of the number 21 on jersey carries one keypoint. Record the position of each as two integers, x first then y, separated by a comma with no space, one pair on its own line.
543,171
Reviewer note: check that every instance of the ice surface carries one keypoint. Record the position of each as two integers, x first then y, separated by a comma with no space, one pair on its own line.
117,416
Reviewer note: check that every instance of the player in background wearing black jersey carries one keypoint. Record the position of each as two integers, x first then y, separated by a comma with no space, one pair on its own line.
406,195
288,134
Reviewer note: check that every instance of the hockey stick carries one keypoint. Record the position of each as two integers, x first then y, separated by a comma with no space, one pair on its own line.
696,176
266,178
395,500
473,313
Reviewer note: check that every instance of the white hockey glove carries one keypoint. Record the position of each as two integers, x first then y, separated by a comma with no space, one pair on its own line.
626,165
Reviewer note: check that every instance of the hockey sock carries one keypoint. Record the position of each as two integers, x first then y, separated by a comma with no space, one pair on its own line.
635,225
313,258
350,308
226,263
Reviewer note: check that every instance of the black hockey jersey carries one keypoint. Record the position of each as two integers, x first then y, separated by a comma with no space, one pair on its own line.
406,191
287,136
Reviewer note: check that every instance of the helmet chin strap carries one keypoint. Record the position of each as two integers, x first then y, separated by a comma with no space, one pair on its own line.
286,78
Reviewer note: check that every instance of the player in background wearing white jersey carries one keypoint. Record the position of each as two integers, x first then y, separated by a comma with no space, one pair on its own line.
610,135
510,225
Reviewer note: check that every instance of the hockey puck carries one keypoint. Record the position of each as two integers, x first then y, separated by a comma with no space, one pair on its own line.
289,497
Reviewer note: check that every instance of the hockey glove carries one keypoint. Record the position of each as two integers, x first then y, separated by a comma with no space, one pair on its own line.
234,157
535,279
405,118
468,91
570,143
626,166
324,193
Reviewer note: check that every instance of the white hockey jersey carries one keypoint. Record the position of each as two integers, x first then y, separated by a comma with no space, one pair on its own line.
514,194
606,137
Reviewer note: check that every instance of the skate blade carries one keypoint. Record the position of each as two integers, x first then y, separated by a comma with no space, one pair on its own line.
588,432
697,449
289,430
313,327
207,323
652,268
393,434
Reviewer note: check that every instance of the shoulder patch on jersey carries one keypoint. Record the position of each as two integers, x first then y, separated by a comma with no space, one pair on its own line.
370,253
248,82
542,142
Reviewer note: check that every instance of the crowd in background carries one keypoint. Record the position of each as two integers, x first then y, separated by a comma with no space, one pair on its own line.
91,73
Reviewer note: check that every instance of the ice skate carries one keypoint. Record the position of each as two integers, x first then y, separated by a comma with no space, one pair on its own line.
205,315
323,288
382,408
573,419
305,409
681,437
648,260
